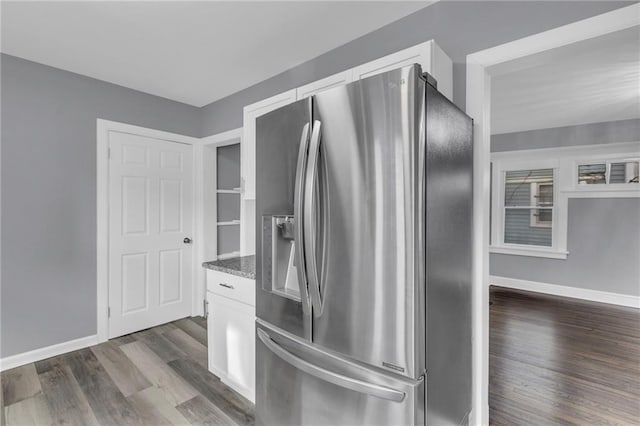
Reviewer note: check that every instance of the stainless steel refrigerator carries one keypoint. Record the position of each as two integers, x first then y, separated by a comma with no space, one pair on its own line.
363,245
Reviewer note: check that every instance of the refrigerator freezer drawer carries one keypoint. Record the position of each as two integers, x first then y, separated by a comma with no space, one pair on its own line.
299,384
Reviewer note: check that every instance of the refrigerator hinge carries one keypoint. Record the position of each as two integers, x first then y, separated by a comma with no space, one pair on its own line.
205,310
430,79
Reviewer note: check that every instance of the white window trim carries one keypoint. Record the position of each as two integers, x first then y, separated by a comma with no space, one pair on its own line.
558,248
565,162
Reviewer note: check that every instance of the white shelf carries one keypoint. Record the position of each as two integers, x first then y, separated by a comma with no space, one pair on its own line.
228,255
229,223
229,191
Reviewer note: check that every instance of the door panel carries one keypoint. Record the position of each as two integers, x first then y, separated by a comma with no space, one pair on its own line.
170,276
171,207
368,224
134,155
277,148
171,160
135,282
289,395
150,213
249,141
134,205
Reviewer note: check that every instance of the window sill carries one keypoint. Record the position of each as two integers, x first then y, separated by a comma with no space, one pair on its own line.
531,252
602,193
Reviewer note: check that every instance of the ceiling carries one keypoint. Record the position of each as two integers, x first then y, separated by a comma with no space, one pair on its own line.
192,52
590,81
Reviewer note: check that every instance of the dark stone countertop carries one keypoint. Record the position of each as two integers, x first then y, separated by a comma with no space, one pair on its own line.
244,266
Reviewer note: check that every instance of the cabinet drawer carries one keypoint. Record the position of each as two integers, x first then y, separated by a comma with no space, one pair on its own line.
232,286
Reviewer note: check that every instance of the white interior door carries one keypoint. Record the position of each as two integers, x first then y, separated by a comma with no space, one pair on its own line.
150,216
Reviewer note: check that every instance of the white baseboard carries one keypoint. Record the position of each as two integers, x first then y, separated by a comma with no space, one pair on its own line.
47,352
566,291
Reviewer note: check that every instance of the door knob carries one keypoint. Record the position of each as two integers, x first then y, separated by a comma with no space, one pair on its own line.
187,240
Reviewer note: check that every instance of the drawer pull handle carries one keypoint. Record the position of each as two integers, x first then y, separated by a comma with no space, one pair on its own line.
226,285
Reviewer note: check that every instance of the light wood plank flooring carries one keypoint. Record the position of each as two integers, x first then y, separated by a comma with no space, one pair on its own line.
559,361
154,377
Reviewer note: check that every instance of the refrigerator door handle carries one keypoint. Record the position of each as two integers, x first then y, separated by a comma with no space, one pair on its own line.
298,208
329,376
309,224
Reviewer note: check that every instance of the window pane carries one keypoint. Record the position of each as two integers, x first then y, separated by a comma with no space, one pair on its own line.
528,188
543,194
589,174
528,226
626,172
543,216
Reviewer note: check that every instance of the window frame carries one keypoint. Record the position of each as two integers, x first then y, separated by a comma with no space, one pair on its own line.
607,160
565,162
498,244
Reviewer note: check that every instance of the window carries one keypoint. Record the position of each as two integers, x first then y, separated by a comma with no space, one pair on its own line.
530,192
528,207
609,172
590,174
525,217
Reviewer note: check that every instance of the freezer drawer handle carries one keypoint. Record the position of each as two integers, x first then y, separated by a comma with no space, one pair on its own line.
329,376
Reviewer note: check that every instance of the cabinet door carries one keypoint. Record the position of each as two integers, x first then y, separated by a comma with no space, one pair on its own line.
248,146
231,329
334,80
420,54
428,54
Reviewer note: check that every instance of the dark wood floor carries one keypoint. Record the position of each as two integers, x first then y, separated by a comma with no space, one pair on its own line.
562,361
155,377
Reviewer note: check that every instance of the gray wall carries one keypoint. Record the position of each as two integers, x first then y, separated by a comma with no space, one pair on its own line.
603,234
603,244
458,27
49,195
585,134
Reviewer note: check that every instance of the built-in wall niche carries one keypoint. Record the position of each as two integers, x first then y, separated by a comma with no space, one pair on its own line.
228,200
222,195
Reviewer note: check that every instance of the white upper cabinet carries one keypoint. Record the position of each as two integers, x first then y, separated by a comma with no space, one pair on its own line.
432,59
248,146
429,55
332,81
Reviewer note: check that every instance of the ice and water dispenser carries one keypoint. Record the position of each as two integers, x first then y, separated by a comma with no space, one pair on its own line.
279,274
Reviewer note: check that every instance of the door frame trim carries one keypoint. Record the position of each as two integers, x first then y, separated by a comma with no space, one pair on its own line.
478,106
103,127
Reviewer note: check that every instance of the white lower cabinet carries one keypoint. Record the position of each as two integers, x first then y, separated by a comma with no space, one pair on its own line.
231,341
